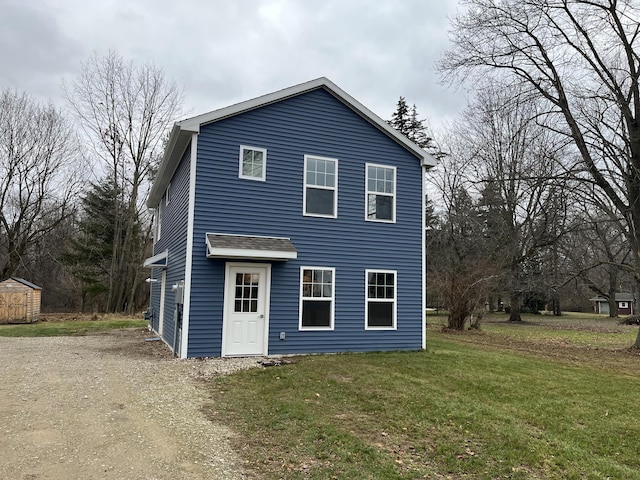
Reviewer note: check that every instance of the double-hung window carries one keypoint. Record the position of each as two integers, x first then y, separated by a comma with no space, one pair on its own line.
316,298
320,186
253,163
381,193
381,290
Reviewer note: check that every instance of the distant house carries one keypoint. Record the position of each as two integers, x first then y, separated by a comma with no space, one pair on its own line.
19,301
625,302
289,223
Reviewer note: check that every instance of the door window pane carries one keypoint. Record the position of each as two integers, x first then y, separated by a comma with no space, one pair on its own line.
246,293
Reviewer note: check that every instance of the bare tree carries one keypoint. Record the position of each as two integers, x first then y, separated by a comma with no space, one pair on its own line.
581,57
596,248
125,111
460,268
38,176
516,164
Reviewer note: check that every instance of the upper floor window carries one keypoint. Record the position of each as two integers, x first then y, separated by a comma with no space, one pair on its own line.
381,299
316,298
253,163
158,221
381,192
167,194
320,186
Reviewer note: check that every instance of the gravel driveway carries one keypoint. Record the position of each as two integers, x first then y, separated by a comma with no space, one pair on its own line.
109,406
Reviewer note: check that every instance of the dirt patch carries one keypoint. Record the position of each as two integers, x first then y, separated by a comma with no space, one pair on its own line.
109,406
80,317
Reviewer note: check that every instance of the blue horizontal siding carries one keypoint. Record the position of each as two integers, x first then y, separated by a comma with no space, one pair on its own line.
314,123
173,239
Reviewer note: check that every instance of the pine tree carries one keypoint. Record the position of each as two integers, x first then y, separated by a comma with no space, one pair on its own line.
417,131
400,119
407,121
92,249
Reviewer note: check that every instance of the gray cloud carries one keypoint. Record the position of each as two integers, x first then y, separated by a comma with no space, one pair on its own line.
35,53
223,52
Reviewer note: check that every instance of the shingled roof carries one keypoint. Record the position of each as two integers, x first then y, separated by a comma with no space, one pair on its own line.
221,245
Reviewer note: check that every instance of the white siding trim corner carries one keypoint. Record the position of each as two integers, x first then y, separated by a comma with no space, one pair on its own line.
423,312
186,307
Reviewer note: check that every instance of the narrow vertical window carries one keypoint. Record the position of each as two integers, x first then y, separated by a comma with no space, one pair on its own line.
158,221
381,191
320,186
167,194
253,163
316,298
381,299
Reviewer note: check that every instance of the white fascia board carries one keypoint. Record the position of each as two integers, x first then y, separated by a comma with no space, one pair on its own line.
239,253
181,132
231,110
176,146
425,158
194,123
151,261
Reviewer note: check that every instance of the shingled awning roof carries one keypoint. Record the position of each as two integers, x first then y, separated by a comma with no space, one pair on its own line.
220,245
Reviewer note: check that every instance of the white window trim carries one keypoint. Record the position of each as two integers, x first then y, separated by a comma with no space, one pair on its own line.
262,178
367,299
167,194
333,300
159,221
366,193
623,304
304,189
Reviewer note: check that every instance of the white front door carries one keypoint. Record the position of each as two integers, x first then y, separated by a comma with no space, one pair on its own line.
246,309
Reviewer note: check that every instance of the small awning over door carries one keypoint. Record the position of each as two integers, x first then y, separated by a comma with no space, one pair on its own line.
157,261
220,245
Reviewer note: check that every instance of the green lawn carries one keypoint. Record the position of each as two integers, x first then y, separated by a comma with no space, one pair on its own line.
514,401
75,327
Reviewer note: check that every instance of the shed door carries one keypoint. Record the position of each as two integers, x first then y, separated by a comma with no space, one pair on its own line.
246,309
17,307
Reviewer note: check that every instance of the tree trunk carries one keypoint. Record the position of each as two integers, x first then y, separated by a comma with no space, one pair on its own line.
613,305
636,344
458,308
514,314
457,318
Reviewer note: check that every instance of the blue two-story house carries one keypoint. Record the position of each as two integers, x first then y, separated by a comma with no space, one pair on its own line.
290,223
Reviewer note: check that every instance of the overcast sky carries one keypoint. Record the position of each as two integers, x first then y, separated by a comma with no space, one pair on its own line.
225,51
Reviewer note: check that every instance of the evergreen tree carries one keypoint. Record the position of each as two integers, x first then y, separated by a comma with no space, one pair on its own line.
125,110
407,121
400,119
91,253
417,131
